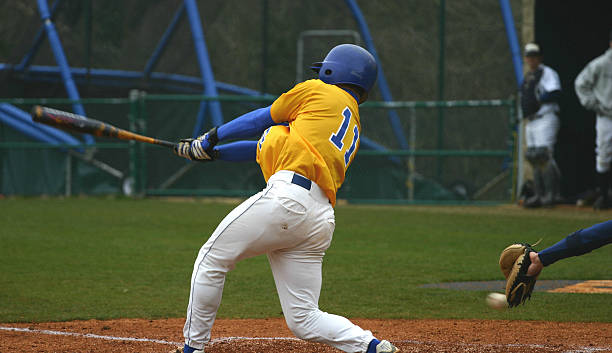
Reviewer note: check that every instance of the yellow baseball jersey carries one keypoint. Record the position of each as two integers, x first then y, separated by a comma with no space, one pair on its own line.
321,139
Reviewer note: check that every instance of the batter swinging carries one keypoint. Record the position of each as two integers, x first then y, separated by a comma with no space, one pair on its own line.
310,137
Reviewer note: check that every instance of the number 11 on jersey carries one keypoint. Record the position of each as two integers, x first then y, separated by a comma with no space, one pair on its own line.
337,137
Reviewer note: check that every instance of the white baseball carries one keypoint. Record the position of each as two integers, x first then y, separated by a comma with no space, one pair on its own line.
497,301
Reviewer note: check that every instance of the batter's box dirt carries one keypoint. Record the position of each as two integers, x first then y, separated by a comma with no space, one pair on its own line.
586,287
272,335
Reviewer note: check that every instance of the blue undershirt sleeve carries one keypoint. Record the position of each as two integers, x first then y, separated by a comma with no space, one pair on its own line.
578,243
240,151
251,124
552,96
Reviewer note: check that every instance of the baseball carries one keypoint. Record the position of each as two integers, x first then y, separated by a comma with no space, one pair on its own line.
497,301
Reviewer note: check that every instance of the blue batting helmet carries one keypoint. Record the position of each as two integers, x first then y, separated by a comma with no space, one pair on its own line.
348,63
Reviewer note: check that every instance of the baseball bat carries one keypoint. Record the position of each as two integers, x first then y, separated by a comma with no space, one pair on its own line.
78,123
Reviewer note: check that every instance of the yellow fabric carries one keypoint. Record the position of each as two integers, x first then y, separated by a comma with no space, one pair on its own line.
315,112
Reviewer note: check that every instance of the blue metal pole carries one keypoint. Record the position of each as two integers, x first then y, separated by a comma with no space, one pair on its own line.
208,78
122,78
21,121
27,59
163,42
517,62
382,81
62,62
22,127
512,40
198,128
366,143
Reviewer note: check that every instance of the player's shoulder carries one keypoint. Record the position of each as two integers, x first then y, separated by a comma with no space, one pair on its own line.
317,87
548,69
603,60
307,85
314,84
549,72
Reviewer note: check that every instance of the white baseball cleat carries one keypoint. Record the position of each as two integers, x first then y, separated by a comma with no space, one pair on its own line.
386,347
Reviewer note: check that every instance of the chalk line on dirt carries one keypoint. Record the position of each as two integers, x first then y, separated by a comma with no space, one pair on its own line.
578,349
87,335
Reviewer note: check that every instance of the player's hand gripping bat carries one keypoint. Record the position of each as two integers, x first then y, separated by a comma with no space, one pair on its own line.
77,123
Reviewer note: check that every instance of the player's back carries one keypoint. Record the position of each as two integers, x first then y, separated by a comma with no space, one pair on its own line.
322,137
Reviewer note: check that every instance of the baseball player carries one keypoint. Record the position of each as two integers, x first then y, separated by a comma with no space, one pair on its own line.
540,93
594,90
308,139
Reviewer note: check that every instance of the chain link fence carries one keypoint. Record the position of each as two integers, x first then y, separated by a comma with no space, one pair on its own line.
448,160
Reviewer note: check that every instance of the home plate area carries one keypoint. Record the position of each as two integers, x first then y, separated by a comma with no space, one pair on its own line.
272,335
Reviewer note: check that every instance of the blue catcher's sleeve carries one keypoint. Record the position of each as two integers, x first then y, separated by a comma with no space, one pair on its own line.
552,96
578,243
240,151
248,125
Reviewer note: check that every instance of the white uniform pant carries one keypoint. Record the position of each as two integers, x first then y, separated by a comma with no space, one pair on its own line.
603,149
294,227
542,132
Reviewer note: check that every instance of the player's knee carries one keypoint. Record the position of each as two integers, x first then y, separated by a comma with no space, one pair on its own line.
542,155
602,165
213,271
300,323
538,156
530,155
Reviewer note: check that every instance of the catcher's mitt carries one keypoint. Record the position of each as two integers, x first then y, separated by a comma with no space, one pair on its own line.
514,262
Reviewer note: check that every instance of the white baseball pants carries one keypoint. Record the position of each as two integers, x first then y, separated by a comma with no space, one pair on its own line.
542,132
603,140
294,227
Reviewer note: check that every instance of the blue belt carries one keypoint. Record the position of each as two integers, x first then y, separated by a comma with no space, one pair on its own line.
301,181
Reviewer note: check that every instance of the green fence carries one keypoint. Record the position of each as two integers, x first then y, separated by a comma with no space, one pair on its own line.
459,151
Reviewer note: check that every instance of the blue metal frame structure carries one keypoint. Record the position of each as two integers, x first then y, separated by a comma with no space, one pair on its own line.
517,63
515,50
161,46
38,39
382,80
205,70
185,84
206,84
16,117
62,62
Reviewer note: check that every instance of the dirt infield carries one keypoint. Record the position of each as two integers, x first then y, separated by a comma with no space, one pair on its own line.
272,335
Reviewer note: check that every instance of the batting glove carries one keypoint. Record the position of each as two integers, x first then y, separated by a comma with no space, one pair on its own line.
202,147
199,149
183,148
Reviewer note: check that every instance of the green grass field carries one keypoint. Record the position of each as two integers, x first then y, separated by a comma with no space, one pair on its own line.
82,258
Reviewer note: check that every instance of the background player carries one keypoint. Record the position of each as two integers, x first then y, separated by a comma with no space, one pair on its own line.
292,219
594,89
540,93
